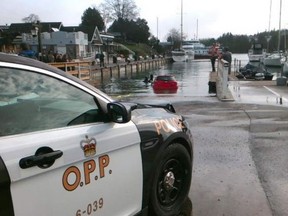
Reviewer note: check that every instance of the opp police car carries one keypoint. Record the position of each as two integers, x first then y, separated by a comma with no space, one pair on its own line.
66,148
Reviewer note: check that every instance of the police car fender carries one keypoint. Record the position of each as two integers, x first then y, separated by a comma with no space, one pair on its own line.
156,134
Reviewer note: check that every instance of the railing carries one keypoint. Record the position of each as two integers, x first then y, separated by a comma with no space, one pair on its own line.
81,69
115,69
87,70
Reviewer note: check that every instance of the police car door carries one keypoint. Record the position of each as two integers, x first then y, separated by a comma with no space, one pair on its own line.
61,158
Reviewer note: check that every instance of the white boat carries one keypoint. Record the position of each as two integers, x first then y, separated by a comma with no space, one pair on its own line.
189,49
179,55
200,50
274,60
256,53
285,68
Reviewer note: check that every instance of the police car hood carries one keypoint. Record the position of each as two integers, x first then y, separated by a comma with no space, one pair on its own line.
154,104
151,112
158,121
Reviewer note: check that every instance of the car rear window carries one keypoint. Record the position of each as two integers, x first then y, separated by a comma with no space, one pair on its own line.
165,78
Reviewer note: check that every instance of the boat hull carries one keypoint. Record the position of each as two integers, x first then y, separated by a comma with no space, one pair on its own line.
179,56
256,58
189,50
190,56
285,69
272,62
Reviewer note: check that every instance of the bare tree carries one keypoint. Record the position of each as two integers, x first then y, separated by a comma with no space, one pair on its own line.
32,18
119,9
174,36
106,15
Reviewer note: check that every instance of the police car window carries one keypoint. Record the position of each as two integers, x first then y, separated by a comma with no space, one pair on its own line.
33,102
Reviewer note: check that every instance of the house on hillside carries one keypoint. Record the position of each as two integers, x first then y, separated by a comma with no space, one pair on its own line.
97,41
76,41
73,44
15,31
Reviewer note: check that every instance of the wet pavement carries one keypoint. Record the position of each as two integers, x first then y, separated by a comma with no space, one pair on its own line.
259,92
231,143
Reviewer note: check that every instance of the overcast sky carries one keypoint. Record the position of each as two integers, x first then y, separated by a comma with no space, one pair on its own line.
214,17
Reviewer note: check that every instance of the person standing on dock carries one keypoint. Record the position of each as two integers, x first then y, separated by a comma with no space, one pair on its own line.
213,52
227,56
101,59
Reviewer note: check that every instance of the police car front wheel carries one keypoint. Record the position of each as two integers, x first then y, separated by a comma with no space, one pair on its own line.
171,182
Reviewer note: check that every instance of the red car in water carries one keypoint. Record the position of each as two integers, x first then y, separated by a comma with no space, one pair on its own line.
165,84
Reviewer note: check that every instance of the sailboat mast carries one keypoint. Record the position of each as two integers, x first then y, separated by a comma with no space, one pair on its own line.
279,33
181,34
197,30
270,16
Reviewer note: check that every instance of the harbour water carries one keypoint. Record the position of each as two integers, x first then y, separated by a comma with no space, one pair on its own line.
192,78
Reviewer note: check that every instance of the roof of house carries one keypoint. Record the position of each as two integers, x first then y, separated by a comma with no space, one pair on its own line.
4,27
94,35
27,27
86,29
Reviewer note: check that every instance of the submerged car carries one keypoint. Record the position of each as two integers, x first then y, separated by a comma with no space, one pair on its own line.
165,84
66,148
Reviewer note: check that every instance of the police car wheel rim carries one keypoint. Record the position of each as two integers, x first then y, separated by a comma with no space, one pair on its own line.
170,182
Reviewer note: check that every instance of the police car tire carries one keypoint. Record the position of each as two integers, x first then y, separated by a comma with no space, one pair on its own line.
167,200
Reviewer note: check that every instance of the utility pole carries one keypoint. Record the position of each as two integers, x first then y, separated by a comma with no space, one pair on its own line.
38,30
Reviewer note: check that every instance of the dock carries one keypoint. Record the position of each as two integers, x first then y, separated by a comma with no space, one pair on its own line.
89,71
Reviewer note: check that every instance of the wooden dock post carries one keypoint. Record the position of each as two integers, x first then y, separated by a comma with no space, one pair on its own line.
137,67
102,76
118,67
111,72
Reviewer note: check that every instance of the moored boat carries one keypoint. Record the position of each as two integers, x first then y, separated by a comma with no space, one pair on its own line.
285,68
189,49
256,53
274,60
254,70
179,55
200,50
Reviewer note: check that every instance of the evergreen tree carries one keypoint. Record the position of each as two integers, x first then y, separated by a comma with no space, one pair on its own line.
92,18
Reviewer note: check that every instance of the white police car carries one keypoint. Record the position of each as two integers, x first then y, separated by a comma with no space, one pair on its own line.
68,149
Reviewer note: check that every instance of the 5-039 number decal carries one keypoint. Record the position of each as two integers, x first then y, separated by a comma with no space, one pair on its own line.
91,208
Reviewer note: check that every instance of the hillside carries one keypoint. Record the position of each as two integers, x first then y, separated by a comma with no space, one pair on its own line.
140,49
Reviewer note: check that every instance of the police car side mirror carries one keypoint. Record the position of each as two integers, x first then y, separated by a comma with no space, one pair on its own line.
118,113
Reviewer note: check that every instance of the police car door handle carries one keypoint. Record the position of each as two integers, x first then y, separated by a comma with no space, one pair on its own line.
42,160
